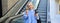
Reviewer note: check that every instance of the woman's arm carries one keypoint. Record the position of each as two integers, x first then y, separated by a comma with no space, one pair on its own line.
36,16
25,16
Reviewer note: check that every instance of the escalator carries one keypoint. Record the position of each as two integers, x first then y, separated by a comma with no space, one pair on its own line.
16,14
18,6
18,18
42,10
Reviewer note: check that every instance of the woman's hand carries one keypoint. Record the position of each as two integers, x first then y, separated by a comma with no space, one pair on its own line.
26,12
36,14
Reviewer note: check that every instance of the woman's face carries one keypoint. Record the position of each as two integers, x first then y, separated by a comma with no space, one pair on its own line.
30,5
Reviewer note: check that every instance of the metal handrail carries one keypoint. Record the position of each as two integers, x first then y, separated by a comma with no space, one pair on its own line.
21,8
11,18
12,12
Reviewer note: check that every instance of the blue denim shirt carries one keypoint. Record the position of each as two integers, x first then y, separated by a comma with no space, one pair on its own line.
30,18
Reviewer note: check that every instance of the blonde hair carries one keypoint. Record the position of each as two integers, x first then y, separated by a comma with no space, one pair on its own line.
29,3
27,8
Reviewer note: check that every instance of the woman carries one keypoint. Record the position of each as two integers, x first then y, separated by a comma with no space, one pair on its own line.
30,17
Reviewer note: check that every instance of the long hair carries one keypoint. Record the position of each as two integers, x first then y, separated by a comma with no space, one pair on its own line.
29,3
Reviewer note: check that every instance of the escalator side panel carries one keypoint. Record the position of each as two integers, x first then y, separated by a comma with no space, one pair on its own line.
12,12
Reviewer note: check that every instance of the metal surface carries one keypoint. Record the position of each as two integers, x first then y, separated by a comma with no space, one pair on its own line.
10,19
42,10
12,12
